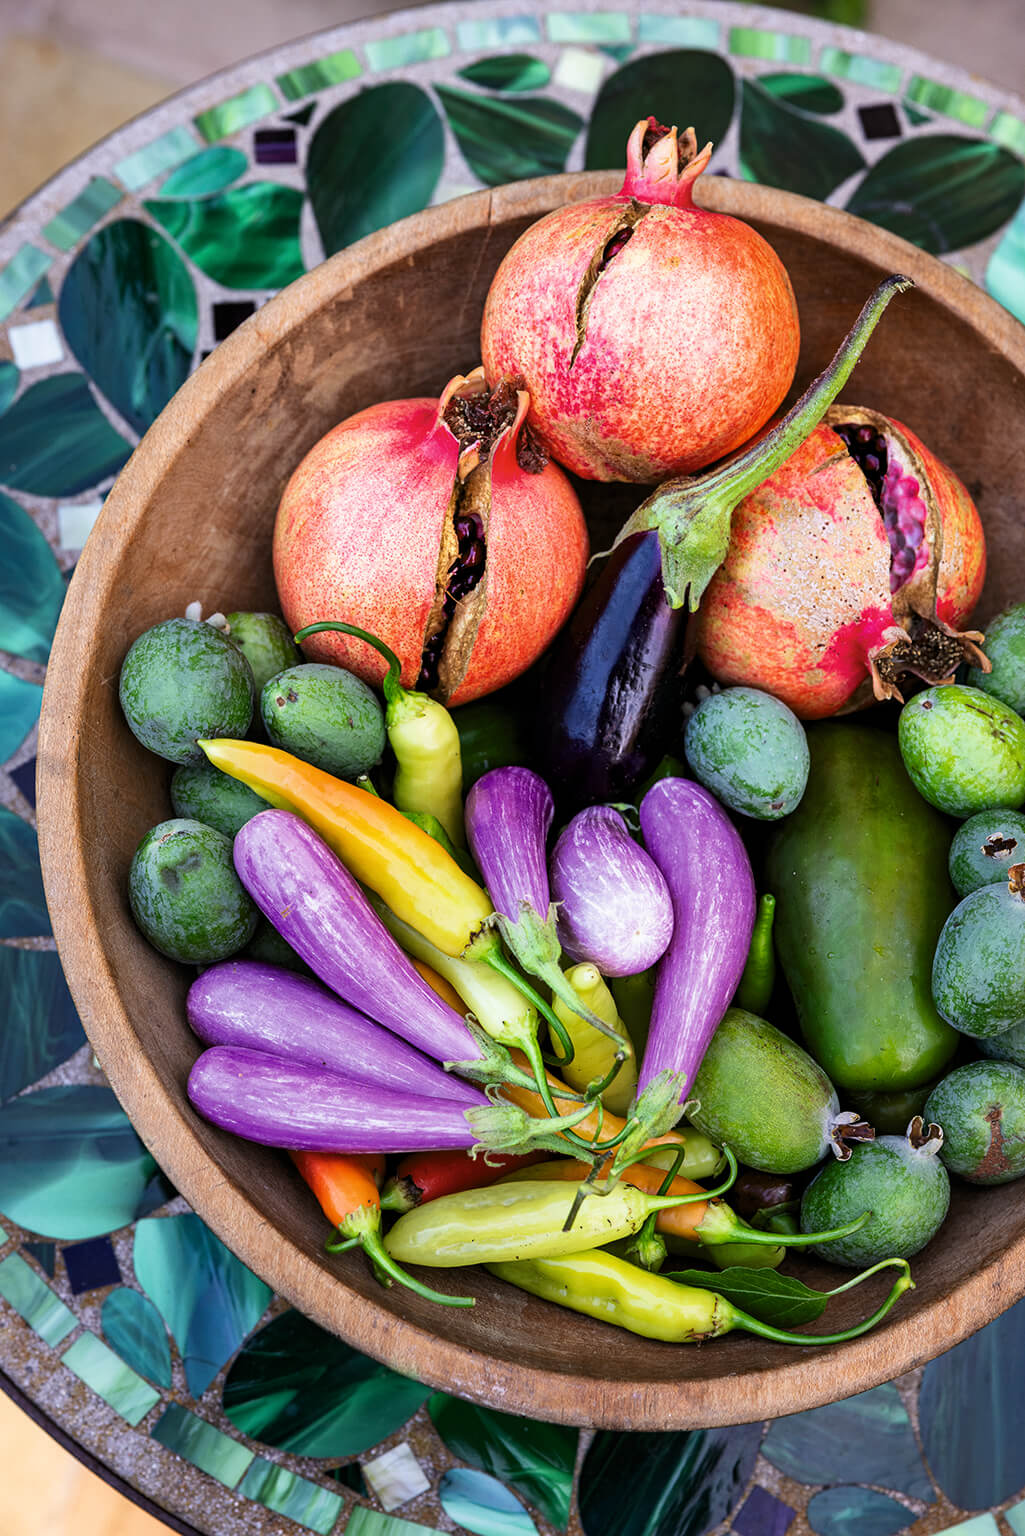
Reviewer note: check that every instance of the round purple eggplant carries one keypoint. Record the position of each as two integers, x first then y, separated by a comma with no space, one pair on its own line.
612,900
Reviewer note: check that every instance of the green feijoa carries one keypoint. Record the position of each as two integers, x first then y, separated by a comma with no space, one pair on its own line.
889,1112
981,1108
181,682
201,792
978,970
266,642
984,848
899,1179
761,1095
185,894
268,945
1009,1045
326,716
964,751
750,750
1005,649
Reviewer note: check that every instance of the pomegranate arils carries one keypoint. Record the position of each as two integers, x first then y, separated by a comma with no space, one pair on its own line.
896,494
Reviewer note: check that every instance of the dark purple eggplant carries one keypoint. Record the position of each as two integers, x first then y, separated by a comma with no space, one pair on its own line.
611,685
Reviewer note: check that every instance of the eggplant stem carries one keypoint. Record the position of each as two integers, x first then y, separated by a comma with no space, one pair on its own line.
390,685
902,1283
499,963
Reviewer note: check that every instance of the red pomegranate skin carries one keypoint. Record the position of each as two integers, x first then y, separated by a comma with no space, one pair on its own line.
801,606
691,336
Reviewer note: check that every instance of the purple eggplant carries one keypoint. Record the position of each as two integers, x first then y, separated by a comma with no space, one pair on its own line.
706,867
306,1108
508,817
266,1008
613,903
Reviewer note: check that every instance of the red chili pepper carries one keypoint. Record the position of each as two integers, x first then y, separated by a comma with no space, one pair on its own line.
423,1176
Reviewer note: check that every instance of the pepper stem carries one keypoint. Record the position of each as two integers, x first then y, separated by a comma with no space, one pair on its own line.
721,1225
390,686
363,1226
903,1282
692,514
495,958
535,944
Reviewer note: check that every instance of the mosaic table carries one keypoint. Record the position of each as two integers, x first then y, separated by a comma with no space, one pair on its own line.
127,1327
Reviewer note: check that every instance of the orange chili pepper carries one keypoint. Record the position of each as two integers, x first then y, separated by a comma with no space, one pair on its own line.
445,990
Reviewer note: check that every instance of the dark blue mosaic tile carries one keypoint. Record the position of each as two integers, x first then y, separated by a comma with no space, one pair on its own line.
91,1264
274,146
302,117
880,121
229,315
350,1476
45,1255
25,778
762,1514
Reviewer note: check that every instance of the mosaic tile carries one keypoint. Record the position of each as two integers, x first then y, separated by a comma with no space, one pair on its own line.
288,1494
367,1522
45,1255
303,116
75,521
783,148
201,1444
71,1166
497,32
536,1459
229,315
35,344
589,27
664,85
877,73
211,170
275,146
247,237
879,121
951,103
865,1438
17,277
207,1297
134,1328
685,31
91,1265
161,154
31,591
349,196
19,711
941,191
1009,131
236,113
811,93
396,1477
33,1300
762,1514
43,295
350,1476
579,70
679,1484
9,381
128,311
41,1029
409,48
753,43
509,140
914,116
300,1389
23,911
66,228
1005,271
979,1525
508,72
481,1504
55,440
332,69
110,1378
25,778
856,1512
1015,1517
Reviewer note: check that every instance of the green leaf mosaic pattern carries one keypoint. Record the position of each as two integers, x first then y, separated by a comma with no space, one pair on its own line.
31,586
41,1029
510,140
110,1378
19,711
288,1494
23,911
535,1459
665,85
199,1442
33,1300
785,148
245,238
480,1503
678,1484
209,171
508,72
55,440
856,1512
134,1328
866,1438
941,191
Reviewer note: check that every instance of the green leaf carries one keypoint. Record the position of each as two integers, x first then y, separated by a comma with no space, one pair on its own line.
41,1030
941,191
671,87
536,1459
23,913
811,93
678,1484
482,1504
31,588
510,140
134,1329
9,379
772,1298
247,237
508,72
781,147
209,171
863,1439
376,158
55,440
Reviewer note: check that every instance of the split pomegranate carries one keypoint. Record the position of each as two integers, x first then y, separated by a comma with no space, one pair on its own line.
441,527
652,335
858,561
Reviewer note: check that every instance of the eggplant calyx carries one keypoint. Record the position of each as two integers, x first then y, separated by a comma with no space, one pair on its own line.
848,1127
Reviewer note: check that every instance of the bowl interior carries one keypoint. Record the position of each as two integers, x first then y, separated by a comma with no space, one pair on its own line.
191,518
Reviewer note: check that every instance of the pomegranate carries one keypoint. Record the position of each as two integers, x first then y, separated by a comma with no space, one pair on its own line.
440,526
857,561
652,335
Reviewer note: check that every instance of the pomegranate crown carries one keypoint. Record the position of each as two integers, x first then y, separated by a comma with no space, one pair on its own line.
662,166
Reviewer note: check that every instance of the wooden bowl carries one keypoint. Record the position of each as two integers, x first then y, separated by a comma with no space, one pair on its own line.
191,517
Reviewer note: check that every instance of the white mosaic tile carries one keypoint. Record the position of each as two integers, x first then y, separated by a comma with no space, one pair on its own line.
396,1477
36,343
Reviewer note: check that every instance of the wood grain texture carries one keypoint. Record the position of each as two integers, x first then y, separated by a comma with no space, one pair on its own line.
190,517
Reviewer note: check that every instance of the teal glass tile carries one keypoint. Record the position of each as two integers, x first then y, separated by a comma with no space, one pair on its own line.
318,74
861,69
67,227
32,1299
978,1525
237,112
209,171
915,116
508,72
481,1504
367,1522
783,147
135,1329
534,1458
809,93
43,295
9,380
498,32
25,267
110,1378
654,85
19,711
408,48
160,155
506,139
867,1438
854,1511
675,1484
288,1494
55,440
201,1444
754,43
45,1255
1005,271
3,1235
23,913
31,594
1015,1517
684,31
952,103
41,1028
1009,131
943,191
589,27
247,237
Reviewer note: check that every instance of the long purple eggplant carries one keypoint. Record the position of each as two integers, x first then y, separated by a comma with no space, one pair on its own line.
267,1008
305,1108
609,702
613,903
706,867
